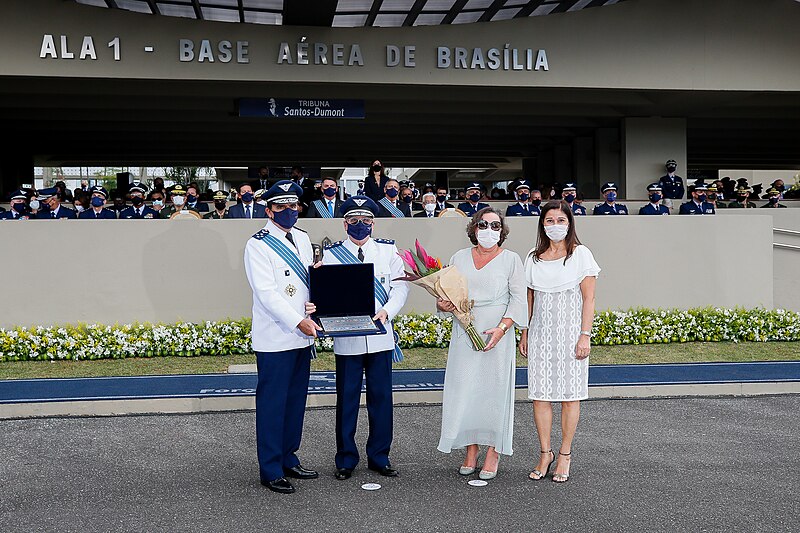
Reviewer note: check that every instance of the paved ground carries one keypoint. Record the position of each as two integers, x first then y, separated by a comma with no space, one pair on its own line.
696,464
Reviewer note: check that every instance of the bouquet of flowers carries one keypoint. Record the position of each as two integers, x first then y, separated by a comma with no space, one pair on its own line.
445,282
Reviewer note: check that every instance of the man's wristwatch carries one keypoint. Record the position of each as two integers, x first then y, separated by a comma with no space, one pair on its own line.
587,333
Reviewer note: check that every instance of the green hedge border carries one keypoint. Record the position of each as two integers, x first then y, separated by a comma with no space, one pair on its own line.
226,337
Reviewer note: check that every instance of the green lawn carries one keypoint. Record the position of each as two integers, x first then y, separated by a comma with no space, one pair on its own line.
415,358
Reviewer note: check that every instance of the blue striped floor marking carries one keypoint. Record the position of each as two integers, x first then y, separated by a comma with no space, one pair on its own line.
216,385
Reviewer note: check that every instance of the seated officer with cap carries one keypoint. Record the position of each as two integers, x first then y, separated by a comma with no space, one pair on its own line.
610,206
20,210
178,196
568,194
698,204
51,199
473,203
220,206
371,355
654,207
276,261
138,209
773,198
713,197
99,196
523,207
742,198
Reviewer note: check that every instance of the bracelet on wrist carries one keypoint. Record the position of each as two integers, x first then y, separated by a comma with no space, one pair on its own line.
587,333
503,326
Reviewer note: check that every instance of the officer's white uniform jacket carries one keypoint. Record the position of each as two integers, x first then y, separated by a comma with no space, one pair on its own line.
387,266
279,295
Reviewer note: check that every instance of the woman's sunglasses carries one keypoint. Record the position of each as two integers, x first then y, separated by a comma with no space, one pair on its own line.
495,225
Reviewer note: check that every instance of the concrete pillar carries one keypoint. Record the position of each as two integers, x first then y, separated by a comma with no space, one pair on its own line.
607,163
647,144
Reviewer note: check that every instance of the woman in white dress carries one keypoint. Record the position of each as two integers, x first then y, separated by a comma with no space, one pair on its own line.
561,275
478,403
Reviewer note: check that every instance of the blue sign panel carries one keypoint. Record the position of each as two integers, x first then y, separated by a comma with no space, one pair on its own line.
298,108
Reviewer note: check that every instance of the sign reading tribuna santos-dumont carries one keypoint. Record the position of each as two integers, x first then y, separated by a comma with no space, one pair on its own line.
502,57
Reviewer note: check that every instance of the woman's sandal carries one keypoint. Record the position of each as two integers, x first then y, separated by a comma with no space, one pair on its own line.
562,478
546,470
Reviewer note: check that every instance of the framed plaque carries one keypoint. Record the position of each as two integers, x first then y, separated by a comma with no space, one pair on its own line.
345,300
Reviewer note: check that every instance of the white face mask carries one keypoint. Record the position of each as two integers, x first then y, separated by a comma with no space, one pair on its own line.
178,200
35,205
79,207
430,208
556,233
487,237
158,203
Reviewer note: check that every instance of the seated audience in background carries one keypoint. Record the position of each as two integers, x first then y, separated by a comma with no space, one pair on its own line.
390,204
773,198
610,206
328,205
473,204
157,201
220,206
51,205
569,195
158,188
193,200
177,195
713,196
742,197
654,207
441,199
80,201
118,201
66,194
97,203
138,209
407,197
20,210
247,208
698,205
524,206
429,209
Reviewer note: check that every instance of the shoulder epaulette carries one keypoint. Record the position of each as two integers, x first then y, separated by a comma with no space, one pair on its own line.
598,205
261,234
384,241
331,245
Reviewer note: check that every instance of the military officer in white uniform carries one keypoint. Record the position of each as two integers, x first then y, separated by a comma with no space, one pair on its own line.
276,261
369,355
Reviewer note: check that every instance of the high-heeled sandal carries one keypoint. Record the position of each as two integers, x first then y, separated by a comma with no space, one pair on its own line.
546,470
562,478
469,470
486,475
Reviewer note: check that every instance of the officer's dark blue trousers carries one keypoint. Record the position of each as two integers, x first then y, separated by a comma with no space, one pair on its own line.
280,408
350,370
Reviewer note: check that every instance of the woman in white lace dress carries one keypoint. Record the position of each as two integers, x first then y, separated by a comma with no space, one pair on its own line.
561,275
478,402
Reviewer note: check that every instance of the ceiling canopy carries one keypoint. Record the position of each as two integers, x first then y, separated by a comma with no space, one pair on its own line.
350,13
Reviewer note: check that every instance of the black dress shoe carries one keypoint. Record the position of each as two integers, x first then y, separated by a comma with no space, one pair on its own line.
280,485
386,471
343,473
298,472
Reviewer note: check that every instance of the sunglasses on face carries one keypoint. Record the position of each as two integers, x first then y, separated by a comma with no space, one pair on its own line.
495,225
355,220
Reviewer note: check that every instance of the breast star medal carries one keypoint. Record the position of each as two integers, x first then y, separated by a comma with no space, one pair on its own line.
291,290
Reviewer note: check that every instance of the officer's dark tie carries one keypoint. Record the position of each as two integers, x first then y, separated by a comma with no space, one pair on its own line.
290,238
247,211
53,214
525,207
96,214
361,255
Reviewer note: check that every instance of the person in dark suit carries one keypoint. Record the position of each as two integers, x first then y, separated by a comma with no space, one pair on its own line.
698,204
375,182
98,201
407,197
307,184
193,200
51,198
329,205
20,210
390,205
262,179
248,208
138,209
654,207
428,206
441,199
473,197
